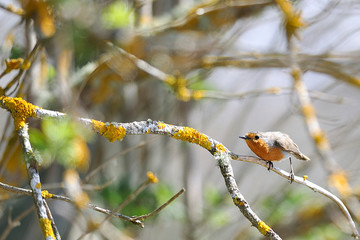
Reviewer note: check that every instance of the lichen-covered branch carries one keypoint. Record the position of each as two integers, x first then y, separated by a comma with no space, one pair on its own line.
117,131
35,184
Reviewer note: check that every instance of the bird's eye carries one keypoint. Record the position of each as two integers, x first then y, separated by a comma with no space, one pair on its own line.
256,137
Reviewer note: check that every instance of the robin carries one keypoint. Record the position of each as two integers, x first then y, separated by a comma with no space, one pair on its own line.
274,146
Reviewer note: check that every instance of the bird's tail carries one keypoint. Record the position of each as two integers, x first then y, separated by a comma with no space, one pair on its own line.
301,157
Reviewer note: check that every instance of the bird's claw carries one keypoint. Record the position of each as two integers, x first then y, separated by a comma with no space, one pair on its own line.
269,164
292,177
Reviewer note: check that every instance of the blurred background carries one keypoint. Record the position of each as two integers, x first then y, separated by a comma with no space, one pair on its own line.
221,67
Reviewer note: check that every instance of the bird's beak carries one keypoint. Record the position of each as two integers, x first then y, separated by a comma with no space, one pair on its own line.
244,137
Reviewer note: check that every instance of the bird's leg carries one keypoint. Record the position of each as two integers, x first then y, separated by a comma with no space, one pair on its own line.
269,164
292,175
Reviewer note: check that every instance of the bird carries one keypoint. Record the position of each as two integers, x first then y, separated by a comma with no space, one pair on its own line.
274,146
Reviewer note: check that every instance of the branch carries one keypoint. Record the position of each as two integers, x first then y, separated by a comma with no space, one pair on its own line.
48,195
35,184
14,223
305,182
151,179
316,63
142,217
136,220
13,9
206,7
275,91
117,131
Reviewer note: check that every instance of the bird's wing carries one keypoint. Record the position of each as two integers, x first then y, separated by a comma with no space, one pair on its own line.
287,144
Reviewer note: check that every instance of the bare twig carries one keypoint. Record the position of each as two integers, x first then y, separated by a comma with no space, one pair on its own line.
11,8
324,63
143,217
66,199
56,231
201,9
275,91
14,223
123,204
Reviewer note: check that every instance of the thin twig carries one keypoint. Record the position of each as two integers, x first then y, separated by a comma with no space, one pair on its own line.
16,222
66,199
140,188
56,231
145,216
114,157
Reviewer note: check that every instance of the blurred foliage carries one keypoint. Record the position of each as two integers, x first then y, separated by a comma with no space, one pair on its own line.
307,217
322,231
17,52
215,208
146,202
117,15
63,141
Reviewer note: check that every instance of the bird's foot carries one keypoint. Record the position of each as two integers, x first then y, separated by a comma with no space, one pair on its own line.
269,164
292,176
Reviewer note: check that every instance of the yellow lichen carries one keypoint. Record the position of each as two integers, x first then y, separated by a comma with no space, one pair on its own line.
45,194
16,10
26,65
238,201
183,94
46,228
92,225
19,108
208,61
308,111
161,125
355,81
178,84
81,200
152,178
81,154
274,90
339,180
305,177
98,126
171,80
263,228
320,140
38,186
293,19
220,148
193,136
110,131
197,94
13,64
296,73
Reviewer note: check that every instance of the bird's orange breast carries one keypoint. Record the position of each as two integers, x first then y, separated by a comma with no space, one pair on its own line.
262,150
